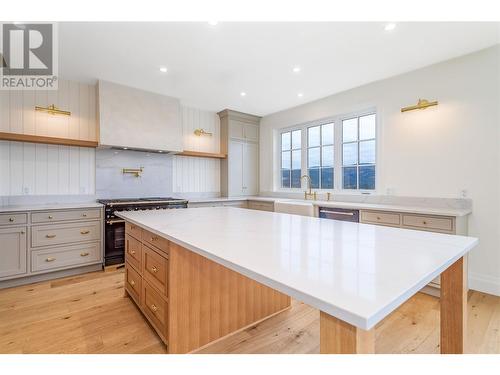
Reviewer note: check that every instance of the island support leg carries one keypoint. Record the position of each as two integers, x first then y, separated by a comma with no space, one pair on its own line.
339,337
454,308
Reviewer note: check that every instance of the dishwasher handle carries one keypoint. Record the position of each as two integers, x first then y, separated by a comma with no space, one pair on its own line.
340,214
336,212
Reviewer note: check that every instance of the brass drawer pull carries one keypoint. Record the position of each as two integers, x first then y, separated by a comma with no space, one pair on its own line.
11,219
424,222
51,217
85,232
50,235
22,232
84,215
378,217
84,254
132,282
154,269
154,308
50,259
154,238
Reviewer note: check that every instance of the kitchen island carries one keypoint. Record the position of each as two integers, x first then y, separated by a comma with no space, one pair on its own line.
207,272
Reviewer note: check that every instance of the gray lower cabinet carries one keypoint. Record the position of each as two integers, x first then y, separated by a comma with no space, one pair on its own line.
35,243
13,251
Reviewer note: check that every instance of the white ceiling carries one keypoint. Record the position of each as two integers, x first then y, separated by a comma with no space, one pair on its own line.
208,66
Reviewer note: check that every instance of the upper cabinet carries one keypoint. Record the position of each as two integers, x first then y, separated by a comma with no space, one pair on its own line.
138,119
240,140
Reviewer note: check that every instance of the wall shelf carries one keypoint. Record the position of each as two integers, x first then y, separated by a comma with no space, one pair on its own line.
198,154
15,137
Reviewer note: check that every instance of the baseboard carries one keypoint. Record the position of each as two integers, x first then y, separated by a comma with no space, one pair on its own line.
484,283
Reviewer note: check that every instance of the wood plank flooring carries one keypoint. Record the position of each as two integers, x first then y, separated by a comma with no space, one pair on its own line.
91,314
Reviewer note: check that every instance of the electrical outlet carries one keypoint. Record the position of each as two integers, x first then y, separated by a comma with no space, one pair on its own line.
26,190
463,193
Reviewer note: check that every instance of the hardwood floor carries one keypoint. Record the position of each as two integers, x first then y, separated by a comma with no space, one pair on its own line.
91,314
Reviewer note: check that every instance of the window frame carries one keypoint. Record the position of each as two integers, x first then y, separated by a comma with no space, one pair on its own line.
320,147
280,135
337,152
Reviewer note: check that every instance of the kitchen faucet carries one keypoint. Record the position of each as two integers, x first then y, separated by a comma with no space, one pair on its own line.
310,193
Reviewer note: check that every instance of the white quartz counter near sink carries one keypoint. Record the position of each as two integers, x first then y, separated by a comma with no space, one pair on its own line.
443,211
356,272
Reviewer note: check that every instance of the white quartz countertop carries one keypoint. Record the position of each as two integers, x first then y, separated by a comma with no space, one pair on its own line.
48,206
455,212
356,272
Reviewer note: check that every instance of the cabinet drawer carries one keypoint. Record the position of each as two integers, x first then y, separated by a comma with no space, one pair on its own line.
67,215
155,308
155,269
381,218
65,257
262,206
65,233
240,204
133,252
442,224
133,283
133,230
155,240
13,219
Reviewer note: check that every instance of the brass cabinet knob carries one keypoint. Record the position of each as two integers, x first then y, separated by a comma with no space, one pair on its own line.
51,217
154,269
378,217
50,235
84,254
154,238
85,232
154,308
50,259
84,215
132,252
424,222
132,282
11,219
22,232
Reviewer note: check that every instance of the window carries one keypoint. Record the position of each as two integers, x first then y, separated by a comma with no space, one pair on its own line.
291,150
358,153
338,153
320,156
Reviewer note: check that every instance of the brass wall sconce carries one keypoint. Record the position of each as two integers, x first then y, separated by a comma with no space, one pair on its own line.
53,110
135,171
200,132
422,104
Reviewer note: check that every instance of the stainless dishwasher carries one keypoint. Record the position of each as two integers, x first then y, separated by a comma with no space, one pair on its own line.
341,214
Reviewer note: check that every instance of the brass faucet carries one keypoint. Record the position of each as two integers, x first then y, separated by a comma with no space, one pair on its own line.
310,193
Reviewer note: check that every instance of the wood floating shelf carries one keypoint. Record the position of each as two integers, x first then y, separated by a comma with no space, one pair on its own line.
15,137
198,154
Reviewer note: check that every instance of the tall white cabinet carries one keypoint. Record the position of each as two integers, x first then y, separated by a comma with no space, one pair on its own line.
240,140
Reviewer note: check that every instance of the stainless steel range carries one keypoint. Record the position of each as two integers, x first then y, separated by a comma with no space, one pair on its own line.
114,227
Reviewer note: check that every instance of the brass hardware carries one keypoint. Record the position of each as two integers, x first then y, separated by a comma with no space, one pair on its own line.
132,282
85,232
328,194
50,259
84,254
378,217
422,104
111,222
11,219
84,215
22,232
310,193
154,238
51,217
132,252
53,110
154,269
200,132
50,235
154,308
135,171
424,222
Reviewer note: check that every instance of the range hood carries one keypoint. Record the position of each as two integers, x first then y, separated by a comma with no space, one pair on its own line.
139,120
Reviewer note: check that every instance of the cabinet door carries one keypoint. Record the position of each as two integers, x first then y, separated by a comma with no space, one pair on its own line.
250,169
251,132
235,160
12,252
236,129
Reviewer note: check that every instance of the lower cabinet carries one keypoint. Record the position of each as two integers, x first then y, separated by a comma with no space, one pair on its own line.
13,251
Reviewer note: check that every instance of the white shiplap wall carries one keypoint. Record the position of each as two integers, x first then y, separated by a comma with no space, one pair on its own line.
198,175
38,169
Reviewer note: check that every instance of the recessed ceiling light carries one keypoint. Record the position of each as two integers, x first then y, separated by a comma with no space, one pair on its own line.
300,95
163,69
160,151
125,148
213,23
390,26
243,93
296,69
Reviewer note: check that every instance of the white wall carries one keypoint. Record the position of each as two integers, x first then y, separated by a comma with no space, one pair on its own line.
198,176
29,169
436,152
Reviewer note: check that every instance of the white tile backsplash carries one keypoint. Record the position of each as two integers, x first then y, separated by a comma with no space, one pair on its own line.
155,181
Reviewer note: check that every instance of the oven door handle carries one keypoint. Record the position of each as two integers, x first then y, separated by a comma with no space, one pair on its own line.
111,222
